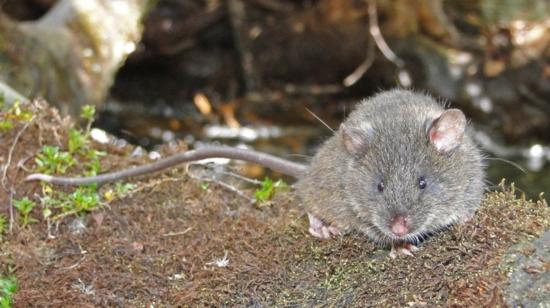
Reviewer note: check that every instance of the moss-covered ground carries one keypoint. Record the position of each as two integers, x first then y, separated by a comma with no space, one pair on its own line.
175,242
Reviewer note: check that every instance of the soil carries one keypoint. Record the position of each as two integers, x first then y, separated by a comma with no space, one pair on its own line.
174,242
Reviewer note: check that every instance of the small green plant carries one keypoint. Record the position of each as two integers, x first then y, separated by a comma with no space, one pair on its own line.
204,185
120,190
5,125
8,287
3,226
77,153
77,140
58,204
93,165
52,160
19,113
268,189
123,188
83,199
14,113
25,206
87,113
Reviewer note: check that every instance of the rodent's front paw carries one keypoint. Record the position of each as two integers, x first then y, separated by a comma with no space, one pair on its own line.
319,229
402,249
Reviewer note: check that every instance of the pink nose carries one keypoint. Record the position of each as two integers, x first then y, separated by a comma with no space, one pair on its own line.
400,225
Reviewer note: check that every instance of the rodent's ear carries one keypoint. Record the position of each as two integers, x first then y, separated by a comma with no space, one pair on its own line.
354,141
446,132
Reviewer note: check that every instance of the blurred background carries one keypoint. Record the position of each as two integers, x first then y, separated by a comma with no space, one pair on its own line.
261,73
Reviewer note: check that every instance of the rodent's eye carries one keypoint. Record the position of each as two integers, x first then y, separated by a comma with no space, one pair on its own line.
381,186
422,182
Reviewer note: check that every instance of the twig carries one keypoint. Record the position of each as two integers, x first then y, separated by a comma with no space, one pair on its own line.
352,78
10,153
11,211
49,228
177,233
21,164
153,184
11,190
222,184
240,177
233,189
379,39
70,267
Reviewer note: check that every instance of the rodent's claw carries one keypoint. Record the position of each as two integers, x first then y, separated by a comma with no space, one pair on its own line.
318,233
325,232
405,249
319,229
334,231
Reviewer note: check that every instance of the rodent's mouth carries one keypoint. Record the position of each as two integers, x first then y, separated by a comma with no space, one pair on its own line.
389,237
385,236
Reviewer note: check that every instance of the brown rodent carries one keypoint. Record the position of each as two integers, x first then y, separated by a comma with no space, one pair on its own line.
399,168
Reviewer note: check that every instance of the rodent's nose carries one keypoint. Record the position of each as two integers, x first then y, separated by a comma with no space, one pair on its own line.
400,225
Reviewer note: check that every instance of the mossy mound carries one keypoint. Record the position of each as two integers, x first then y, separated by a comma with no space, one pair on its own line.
176,242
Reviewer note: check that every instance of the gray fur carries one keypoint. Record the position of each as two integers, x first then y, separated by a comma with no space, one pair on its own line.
340,187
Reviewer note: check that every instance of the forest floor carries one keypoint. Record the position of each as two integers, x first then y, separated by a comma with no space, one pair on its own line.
173,241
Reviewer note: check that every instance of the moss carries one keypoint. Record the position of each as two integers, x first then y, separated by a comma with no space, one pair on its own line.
272,259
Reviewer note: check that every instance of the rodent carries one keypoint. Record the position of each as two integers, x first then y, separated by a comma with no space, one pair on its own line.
399,168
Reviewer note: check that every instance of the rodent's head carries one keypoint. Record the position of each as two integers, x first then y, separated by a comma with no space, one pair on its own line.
407,177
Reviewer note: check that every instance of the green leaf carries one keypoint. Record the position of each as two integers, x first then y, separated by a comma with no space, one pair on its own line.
266,191
77,140
84,199
46,213
8,287
88,112
6,125
24,205
3,225
122,188
52,160
19,113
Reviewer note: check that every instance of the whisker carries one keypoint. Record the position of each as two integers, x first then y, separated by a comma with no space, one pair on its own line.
519,167
298,155
320,120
